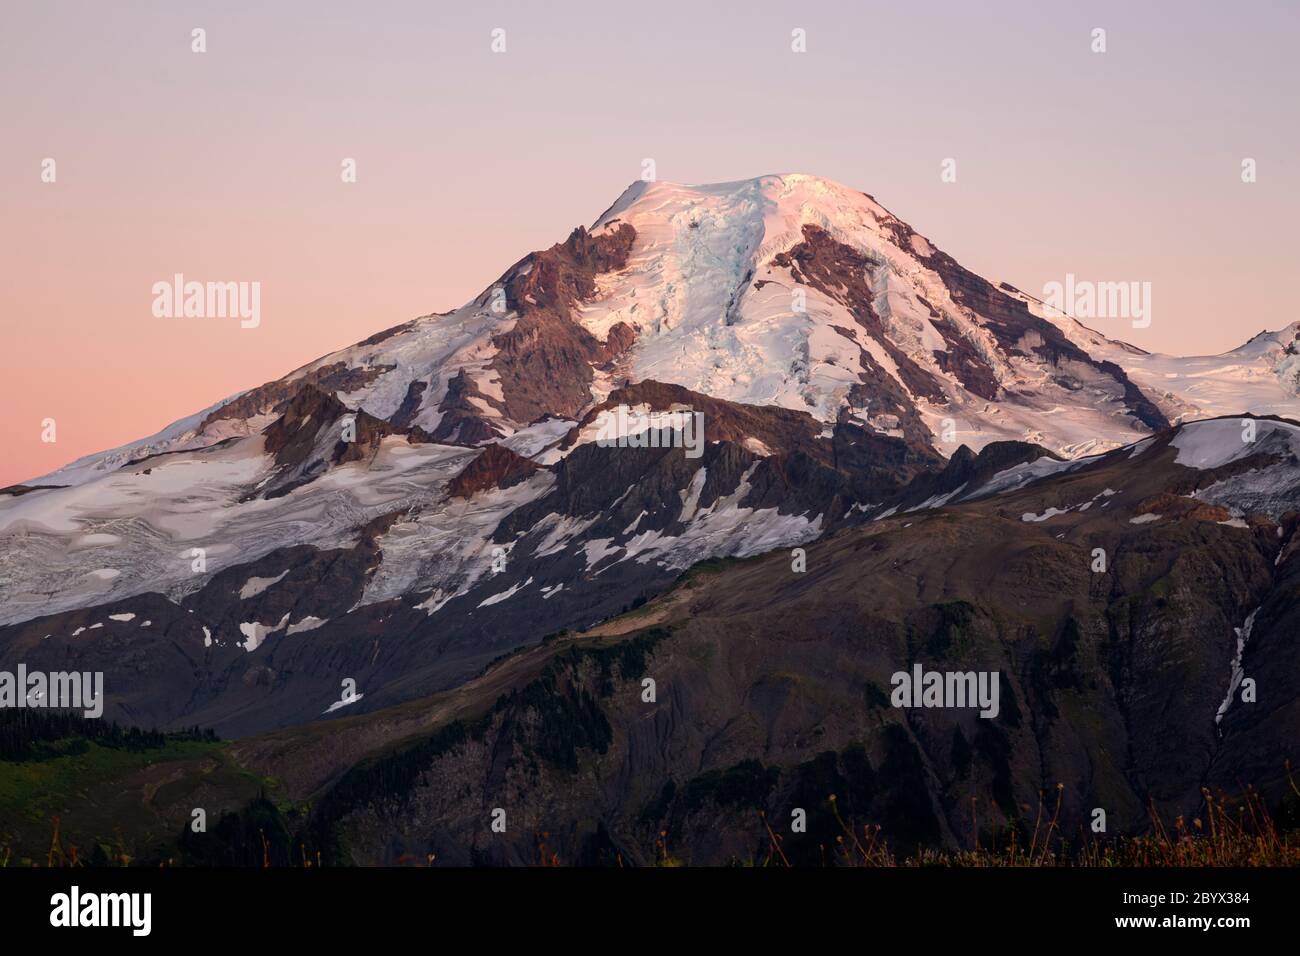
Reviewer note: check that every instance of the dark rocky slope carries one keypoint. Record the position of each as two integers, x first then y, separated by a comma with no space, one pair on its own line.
772,693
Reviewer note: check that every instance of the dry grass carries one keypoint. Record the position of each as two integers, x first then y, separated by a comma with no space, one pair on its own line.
1229,833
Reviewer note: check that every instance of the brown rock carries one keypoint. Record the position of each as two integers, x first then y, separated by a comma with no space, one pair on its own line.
495,467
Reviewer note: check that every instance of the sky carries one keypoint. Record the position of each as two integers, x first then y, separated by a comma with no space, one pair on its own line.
226,165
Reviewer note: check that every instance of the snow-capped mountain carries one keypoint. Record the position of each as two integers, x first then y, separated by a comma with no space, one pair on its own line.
789,291
417,503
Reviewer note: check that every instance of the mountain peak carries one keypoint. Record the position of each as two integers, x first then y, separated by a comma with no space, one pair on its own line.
788,290
772,191
711,371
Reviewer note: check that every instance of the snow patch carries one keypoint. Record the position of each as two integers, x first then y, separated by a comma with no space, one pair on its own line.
504,595
255,586
345,702
1243,635
257,633
1213,444
691,496
308,623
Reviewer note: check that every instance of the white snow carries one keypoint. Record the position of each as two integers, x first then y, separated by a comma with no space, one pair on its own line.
257,633
1238,672
1140,446
691,496
446,548
597,549
179,434
1212,444
504,595
1257,377
97,540
936,501
692,291
530,441
199,499
255,586
1020,475
345,702
713,312
308,623
725,527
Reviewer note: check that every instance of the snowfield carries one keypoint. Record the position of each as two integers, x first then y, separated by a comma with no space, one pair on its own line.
692,291
714,311
193,499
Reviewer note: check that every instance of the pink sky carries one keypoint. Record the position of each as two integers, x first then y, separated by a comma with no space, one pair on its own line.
225,165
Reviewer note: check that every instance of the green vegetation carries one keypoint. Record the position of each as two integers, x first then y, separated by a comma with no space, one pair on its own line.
950,634
627,657
27,734
566,717
1057,668
73,789
256,835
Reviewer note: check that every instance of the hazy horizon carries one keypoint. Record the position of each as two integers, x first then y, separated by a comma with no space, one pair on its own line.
225,166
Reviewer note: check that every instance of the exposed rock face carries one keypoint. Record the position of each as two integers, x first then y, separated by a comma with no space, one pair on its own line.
779,429
410,407
967,471
1169,505
616,526
316,432
846,275
545,361
273,396
1110,682
496,467
462,421
1020,332
17,490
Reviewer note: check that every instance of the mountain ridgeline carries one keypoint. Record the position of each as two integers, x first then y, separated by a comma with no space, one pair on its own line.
420,580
